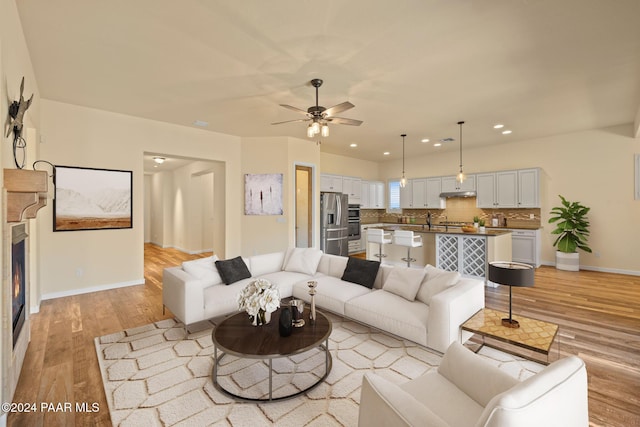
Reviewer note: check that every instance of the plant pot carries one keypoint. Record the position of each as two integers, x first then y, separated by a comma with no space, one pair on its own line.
568,261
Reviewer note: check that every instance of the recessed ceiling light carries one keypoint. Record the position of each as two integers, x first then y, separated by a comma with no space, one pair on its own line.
201,123
437,144
498,126
506,132
353,145
425,140
386,153
159,160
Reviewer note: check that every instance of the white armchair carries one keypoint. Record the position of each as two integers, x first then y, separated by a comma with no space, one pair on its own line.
468,391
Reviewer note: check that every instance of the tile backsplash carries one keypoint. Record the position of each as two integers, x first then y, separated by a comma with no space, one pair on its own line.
462,209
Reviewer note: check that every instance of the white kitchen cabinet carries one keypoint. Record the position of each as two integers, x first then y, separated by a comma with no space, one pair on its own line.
433,199
419,193
376,195
352,187
508,189
406,195
331,183
526,246
528,188
372,195
449,184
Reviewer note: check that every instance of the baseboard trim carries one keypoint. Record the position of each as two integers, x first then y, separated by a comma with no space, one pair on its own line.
601,269
71,292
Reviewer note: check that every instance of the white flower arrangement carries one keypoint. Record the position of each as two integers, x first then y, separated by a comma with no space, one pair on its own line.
258,298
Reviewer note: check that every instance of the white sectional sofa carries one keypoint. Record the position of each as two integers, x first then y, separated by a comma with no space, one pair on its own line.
425,306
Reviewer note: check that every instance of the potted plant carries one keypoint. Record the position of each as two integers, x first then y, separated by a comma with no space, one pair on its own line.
572,227
481,227
475,221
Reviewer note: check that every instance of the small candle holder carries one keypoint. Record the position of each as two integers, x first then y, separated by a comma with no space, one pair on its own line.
312,291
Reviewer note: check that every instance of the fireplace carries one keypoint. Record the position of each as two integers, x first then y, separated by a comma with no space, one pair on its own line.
18,278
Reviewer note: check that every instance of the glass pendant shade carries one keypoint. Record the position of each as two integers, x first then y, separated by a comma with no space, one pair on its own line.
461,177
325,130
316,128
403,182
310,131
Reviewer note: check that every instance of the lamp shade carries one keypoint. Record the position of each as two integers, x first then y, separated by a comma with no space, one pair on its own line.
511,273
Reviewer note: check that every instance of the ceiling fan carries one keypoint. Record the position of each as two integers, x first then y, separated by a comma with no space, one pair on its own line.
320,117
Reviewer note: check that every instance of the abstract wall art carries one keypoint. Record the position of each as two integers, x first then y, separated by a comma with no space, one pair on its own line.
263,194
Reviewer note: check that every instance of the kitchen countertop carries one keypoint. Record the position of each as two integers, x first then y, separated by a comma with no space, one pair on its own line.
520,225
439,229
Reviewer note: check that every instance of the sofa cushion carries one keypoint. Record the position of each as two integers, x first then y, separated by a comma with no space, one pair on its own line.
222,300
435,281
404,282
303,260
331,292
391,313
266,263
232,270
285,280
203,269
361,271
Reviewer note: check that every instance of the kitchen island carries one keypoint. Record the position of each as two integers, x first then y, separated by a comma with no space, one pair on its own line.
448,248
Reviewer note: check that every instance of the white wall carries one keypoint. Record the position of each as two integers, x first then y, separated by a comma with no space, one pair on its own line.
349,166
80,136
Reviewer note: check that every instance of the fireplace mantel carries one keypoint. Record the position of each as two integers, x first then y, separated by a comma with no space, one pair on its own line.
26,193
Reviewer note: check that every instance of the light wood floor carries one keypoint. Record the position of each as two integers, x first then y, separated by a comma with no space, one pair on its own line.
598,314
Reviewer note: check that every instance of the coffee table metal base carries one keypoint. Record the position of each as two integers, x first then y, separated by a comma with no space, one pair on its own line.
214,376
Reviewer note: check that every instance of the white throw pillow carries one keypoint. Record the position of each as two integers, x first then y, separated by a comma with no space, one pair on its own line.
303,260
203,269
435,281
404,282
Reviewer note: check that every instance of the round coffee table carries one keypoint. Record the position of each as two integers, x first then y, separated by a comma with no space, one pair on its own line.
236,336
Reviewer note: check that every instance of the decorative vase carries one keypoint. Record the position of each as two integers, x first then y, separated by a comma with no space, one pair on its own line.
312,291
262,318
482,229
285,325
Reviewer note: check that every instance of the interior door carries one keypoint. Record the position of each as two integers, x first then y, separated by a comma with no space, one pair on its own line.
304,202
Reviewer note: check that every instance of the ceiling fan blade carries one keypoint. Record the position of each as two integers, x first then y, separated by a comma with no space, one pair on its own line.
338,108
291,121
343,121
297,110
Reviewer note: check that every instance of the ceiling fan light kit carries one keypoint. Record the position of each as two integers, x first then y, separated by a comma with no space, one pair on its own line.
320,116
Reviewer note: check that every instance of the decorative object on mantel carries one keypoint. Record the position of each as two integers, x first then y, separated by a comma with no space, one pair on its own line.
92,199
572,226
312,291
259,299
16,116
263,194
511,274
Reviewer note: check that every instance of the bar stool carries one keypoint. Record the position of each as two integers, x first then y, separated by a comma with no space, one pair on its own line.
381,237
408,239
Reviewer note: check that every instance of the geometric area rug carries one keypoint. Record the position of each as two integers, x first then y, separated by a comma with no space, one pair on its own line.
154,375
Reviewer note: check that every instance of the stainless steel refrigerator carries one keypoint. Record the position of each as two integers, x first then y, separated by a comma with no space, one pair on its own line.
334,223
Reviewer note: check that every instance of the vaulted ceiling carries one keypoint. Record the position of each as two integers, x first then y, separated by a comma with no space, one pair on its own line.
540,67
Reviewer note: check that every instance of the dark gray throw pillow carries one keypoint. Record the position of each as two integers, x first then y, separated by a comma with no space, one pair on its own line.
361,271
232,270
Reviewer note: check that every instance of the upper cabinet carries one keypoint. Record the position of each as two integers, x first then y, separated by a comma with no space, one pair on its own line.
422,193
331,183
449,184
372,195
353,188
508,189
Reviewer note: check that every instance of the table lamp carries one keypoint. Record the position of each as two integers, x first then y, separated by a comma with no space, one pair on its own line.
511,274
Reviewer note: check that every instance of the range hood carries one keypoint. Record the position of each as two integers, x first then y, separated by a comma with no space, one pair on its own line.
450,194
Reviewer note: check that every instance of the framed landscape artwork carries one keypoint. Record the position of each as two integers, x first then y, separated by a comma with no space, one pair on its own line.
263,194
92,199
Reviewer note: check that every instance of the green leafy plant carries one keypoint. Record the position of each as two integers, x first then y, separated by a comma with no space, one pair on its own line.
475,219
572,226
481,223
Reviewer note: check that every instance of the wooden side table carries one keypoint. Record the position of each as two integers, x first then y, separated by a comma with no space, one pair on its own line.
534,335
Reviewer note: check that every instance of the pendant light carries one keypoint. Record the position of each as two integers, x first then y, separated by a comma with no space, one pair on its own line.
403,181
460,178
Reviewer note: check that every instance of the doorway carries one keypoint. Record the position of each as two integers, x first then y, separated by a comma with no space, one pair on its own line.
304,206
